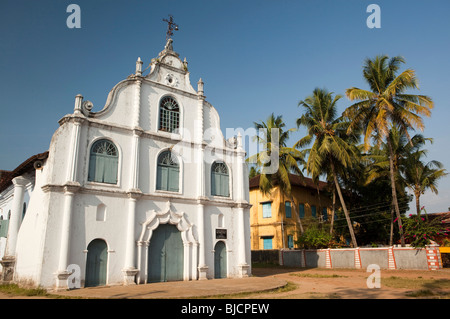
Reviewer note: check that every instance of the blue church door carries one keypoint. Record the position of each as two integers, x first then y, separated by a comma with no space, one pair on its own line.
96,263
165,254
220,260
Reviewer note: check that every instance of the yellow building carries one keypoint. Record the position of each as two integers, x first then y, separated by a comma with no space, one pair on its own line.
273,219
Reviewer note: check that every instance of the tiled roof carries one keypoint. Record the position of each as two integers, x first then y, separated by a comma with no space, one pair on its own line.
6,177
4,173
296,180
444,215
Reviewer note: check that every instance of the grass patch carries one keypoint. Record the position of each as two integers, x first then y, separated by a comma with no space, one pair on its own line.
315,295
415,283
420,293
317,275
14,289
288,287
427,293
422,288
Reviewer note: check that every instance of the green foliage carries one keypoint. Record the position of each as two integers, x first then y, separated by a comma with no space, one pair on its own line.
388,100
421,230
288,157
333,149
388,103
446,243
253,172
374,176
315,238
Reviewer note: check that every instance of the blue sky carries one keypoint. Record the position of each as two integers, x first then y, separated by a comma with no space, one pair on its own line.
255,57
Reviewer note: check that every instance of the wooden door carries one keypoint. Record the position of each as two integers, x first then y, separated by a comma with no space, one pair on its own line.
220,260
96,263
165,254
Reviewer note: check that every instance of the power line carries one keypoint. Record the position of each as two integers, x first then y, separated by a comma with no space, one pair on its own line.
377,207
363,222
378,212
379,204
373,209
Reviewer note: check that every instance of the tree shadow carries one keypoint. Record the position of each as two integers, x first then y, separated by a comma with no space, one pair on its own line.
272,270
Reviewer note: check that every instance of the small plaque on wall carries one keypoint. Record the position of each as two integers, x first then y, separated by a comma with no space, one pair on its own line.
221,234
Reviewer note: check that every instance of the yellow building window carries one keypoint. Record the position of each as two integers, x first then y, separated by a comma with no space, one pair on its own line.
301,210
287,209
267,209
267,242
313,211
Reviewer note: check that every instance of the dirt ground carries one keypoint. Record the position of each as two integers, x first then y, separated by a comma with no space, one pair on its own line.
352,283
314,284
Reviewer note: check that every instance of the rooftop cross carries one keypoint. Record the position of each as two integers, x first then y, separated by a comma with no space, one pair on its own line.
170,27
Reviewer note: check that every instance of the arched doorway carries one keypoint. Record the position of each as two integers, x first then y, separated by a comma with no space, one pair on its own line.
165,254
220,260
96,263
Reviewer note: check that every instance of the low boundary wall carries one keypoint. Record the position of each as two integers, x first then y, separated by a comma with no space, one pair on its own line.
386,257
266,256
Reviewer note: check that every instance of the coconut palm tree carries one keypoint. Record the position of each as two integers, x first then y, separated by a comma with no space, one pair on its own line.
378,163
387,103
253,172
273,136
332,147
420,176
379,155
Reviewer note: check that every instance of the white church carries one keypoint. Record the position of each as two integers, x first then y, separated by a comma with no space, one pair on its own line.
145,190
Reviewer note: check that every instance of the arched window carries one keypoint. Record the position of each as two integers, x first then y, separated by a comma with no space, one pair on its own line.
219,180
103,162
169,115
168,171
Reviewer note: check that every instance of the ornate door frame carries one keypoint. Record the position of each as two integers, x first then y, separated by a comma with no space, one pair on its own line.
190,243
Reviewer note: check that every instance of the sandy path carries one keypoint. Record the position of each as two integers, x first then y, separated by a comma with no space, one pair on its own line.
347,283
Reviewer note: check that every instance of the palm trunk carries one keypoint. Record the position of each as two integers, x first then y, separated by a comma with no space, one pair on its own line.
391,235
347,217
282,230
394,192
417,194
297,214
417,191
333,211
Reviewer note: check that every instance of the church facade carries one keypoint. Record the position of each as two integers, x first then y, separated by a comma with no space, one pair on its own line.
147,189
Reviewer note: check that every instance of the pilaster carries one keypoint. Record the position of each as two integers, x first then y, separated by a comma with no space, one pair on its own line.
129,271
391,258
202,267
134,159
19,183
358,264
62,274
198,136
72,162
243,267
